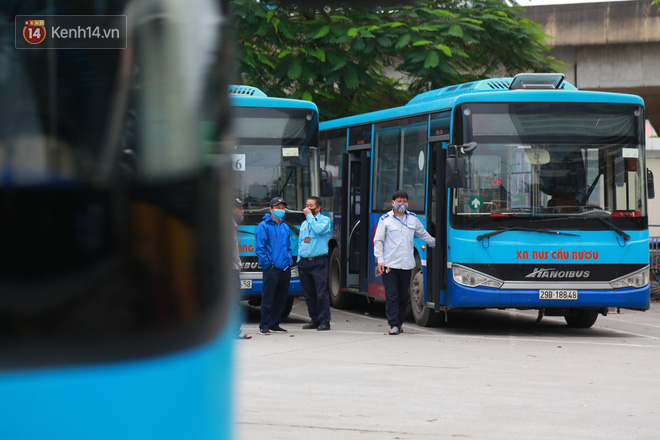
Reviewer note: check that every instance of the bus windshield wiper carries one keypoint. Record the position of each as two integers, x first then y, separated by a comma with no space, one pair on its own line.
516,228
615,228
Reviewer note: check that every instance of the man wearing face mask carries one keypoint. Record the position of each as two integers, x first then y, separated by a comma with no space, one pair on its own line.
273,249
395,254
239,210
313,264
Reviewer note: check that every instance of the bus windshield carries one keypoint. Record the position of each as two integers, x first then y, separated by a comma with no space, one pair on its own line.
272,155
553,162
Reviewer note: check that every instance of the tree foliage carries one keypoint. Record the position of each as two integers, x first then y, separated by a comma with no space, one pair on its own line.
350,60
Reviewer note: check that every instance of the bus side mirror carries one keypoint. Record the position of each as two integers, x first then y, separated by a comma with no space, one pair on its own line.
650,189
326,184
455,170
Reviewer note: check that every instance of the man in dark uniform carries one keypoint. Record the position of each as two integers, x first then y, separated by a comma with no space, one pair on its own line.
313,264
395,253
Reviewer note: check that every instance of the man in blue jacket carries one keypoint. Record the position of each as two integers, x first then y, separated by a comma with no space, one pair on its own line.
273,248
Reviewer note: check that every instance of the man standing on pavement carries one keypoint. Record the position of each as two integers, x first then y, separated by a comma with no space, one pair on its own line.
313,264
273,249
239,210
394,252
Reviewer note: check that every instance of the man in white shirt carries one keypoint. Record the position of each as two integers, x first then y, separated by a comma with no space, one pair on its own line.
395,254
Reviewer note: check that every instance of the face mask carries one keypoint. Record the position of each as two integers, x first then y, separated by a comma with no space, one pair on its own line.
401,207
278,213
238,218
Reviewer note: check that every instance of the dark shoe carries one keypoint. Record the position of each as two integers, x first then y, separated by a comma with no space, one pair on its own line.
324,326
243,335
264,331
278,329
312,325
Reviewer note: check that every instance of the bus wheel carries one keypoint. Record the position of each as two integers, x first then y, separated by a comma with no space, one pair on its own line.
288,306
338,299
424,316
581,318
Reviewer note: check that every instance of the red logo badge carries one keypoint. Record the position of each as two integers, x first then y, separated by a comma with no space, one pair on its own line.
34,31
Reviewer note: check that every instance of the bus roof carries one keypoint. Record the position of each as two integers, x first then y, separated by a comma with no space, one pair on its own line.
487,90
247,96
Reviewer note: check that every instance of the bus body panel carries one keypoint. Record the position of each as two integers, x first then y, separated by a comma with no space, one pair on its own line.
181,395
460,297
514,247
253,101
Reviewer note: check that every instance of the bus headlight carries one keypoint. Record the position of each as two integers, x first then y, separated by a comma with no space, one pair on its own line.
636,279
472,278
294,272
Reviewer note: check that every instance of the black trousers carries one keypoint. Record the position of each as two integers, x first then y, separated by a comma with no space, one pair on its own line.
397,295
273,298
314,282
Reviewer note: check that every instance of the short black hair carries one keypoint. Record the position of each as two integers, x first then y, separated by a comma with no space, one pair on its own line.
400,193
317,200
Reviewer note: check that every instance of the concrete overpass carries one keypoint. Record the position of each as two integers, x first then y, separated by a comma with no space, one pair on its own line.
608,46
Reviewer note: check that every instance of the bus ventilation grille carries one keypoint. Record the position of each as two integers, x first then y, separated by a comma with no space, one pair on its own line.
246,91
498,85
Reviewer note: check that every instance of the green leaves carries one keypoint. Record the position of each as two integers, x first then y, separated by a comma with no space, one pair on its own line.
432,60
322,32
338,56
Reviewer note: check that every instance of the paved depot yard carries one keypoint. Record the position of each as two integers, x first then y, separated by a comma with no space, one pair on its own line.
487,375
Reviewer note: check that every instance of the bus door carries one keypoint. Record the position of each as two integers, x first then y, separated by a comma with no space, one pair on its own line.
436,261
355,224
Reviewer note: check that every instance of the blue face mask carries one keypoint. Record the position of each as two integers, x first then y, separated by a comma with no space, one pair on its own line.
401,207
278,213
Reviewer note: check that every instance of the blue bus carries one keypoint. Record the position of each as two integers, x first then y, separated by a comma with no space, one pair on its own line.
536,191
114,301
274,154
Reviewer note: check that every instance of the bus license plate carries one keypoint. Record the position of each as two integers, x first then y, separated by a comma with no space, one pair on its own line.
246,284
558,294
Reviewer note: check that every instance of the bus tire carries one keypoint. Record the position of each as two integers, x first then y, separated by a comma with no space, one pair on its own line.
424,316
288,306
581,318
338,299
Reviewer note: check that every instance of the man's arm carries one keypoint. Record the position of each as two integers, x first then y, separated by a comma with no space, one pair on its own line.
421,233
261,246
320,224
379,239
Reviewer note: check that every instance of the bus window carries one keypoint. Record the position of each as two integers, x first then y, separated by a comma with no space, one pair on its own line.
360,135
385,168
334,144
400,162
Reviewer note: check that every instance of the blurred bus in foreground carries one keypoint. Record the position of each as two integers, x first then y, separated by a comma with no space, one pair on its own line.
112,304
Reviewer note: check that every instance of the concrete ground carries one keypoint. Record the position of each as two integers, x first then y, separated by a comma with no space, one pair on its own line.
486,375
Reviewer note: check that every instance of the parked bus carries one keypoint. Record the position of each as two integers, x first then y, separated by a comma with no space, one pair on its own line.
536,192
114,291
275,154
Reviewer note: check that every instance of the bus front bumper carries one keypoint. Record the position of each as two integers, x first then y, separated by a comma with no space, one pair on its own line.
459,296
